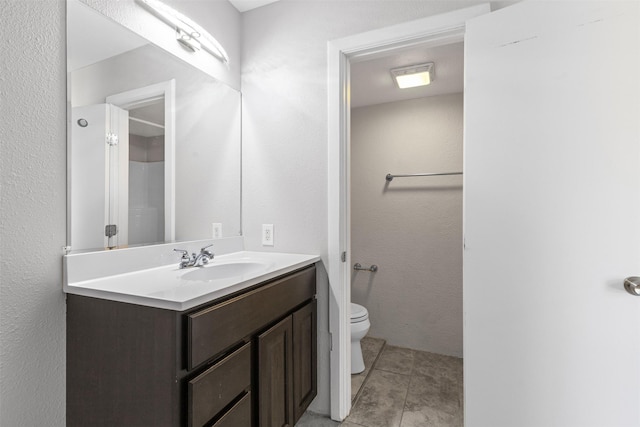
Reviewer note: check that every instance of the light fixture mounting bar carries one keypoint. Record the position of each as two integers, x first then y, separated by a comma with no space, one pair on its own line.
188,33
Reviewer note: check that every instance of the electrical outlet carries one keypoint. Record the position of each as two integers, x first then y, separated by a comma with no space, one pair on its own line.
267,234
216,230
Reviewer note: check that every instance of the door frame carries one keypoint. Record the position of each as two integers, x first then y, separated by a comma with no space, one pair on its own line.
132,98
431,31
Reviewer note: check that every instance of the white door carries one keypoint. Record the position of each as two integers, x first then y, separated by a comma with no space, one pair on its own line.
552,215
99,175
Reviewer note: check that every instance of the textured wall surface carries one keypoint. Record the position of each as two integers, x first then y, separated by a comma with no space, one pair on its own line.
412,227
33,208
32,214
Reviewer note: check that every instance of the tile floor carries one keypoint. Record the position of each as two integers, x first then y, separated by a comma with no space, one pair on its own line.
401,388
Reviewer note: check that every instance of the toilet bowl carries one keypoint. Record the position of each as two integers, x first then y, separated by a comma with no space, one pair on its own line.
359,327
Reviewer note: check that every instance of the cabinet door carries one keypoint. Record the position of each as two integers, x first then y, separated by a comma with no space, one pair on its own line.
304,358
275,374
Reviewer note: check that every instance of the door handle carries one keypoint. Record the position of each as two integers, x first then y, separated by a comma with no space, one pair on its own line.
632,285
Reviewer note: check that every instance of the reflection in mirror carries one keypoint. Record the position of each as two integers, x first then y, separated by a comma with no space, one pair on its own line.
146,173
154,143
145,200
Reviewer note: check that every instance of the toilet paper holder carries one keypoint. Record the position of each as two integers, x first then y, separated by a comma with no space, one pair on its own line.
358,266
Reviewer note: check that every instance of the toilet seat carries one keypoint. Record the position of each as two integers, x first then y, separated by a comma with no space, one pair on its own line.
358,313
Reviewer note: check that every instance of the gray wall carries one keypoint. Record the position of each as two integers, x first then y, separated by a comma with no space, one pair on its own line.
284,85
412,227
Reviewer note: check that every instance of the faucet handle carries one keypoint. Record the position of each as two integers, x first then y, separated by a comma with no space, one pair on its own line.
184,253
184,261
205,251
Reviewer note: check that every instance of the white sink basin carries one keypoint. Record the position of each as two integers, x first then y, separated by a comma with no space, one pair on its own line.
214,272
170,287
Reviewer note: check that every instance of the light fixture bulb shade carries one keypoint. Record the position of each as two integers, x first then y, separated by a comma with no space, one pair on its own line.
413,75
188,32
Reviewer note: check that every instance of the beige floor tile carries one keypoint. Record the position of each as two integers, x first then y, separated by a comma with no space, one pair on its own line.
437,393
406,388
430,417
349,424
309,419
437,365
356,383
394,359
371,348
382,400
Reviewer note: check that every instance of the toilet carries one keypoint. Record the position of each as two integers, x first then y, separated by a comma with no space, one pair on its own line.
359,327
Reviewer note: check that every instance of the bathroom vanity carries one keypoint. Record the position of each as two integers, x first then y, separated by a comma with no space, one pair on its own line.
247,358
155,156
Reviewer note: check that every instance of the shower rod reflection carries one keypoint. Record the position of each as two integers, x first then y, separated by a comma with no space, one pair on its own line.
390,177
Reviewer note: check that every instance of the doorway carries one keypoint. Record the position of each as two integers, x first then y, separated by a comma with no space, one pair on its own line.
433,31
409,226
148,213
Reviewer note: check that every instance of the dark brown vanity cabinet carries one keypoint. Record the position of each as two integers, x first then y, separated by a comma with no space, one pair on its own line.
287,368
304,357
248,359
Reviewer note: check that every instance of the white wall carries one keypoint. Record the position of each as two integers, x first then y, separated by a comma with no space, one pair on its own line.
146,202
412,227
33,204
32,214
284,85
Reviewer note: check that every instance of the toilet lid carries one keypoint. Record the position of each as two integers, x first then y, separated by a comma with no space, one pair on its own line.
358,313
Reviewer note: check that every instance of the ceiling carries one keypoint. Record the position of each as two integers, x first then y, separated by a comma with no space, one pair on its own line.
92,38
371,81
244,5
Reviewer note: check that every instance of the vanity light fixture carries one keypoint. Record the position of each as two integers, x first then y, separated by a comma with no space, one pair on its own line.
413,75
189,34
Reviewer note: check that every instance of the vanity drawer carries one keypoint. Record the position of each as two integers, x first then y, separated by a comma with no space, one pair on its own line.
218,386
238,416
216,328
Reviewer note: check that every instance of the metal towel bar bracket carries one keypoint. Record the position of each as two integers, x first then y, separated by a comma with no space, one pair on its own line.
390,177
358,266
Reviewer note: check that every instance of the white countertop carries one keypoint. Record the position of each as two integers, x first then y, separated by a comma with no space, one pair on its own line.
166,287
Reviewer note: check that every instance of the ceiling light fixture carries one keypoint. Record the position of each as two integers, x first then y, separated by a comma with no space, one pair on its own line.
189,34
413,75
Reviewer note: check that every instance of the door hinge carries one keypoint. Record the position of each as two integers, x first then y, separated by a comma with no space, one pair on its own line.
343,257
112,139
110,230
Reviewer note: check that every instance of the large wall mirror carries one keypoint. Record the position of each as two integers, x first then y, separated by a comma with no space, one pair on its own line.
154,143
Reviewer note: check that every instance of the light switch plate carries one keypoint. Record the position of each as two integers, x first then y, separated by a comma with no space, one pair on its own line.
267,234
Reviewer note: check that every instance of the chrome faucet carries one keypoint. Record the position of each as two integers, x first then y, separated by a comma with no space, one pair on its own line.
195,260
203,257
